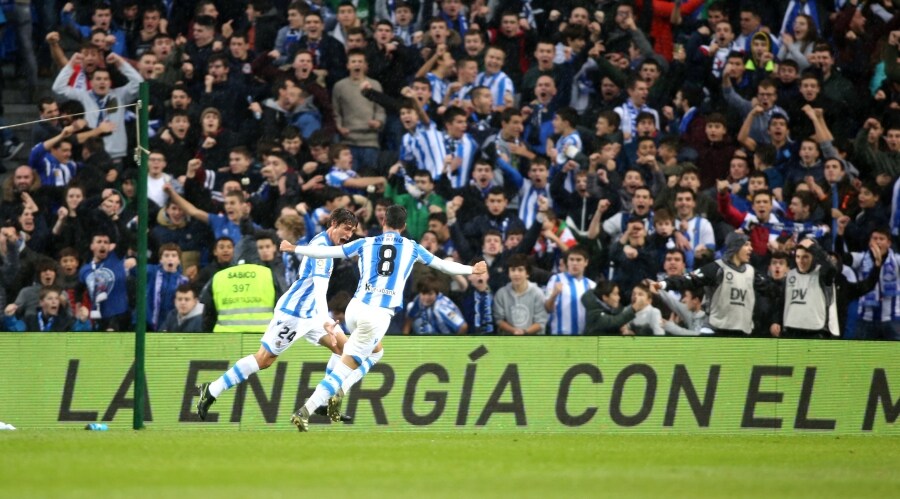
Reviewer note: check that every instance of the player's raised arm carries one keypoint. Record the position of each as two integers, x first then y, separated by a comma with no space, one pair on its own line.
314,251
453,268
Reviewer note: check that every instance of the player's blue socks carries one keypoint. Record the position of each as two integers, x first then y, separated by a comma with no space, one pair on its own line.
329,385
361,371
241,370
335,358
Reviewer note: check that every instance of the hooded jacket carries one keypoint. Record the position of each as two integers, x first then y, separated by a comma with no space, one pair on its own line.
190,323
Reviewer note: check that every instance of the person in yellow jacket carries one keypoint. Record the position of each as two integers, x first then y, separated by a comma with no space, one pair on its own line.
240,299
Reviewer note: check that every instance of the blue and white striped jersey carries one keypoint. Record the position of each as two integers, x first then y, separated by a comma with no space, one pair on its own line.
568,313
337,176
528,198
882,303
438,88
300,299
571,140
385,263
442,317
426,148
499,83
466,149
463,93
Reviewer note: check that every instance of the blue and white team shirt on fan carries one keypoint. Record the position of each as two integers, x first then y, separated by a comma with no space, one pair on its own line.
499,83
337,176
564,143
699,233
300,299
882,303
320,216
528,199
463,93
385,263
438,88
442,317
426,148
568,313
464,148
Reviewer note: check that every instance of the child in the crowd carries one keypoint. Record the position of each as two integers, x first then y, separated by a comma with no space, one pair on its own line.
50,316
432,312
162,282
687,315
647,318
519,306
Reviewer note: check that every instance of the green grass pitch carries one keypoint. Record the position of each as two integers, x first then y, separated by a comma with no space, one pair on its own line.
321,464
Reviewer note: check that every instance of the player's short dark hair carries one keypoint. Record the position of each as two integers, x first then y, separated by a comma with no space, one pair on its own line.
186,288
343,216
440,216
395,217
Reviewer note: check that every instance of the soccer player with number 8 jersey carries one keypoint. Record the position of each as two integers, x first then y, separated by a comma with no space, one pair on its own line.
385,263
302,312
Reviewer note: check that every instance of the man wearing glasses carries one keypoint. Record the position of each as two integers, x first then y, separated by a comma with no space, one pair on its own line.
766,96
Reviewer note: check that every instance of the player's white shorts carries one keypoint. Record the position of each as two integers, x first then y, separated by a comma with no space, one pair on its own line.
368,325
284,329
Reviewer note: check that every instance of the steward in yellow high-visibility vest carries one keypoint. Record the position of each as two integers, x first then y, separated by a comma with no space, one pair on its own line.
244,298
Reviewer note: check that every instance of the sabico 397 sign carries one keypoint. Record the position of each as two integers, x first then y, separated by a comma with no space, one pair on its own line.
655,385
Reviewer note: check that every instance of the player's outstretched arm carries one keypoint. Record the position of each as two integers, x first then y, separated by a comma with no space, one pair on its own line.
454,268
314,251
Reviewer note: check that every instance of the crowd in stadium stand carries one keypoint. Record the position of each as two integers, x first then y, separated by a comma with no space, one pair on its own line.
587,151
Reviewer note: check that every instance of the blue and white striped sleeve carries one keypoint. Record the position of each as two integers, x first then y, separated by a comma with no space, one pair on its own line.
353,247
423,255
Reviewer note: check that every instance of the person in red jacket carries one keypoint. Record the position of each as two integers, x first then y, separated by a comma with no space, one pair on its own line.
757,225
663,19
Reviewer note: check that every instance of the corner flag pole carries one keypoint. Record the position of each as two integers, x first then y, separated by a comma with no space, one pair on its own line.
140,330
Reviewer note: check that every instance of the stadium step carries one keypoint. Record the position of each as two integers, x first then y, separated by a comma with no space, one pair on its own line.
18,107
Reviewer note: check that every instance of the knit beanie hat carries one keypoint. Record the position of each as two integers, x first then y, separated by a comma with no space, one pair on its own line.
733,243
